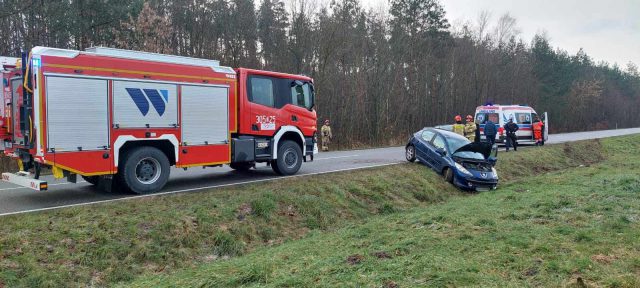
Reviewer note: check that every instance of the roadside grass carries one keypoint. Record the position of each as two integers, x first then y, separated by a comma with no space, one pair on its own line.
575,228
104,244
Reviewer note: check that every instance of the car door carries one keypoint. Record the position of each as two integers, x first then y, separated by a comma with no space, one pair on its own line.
437,160
423,146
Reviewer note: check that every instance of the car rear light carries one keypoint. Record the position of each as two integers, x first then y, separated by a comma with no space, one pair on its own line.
501,130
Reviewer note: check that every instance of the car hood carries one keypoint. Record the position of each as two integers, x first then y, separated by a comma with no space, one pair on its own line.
483,148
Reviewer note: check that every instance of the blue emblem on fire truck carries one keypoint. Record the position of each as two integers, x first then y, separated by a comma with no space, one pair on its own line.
142,98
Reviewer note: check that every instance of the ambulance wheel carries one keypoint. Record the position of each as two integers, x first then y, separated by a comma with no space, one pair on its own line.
410,153
145,170
93,180
448,175
289,158
242,166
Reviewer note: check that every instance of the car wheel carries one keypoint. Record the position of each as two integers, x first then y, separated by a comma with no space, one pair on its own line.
289,159
145,171
93,180
243,166
410,153
448,175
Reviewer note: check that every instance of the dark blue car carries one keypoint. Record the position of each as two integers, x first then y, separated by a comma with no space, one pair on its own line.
468,165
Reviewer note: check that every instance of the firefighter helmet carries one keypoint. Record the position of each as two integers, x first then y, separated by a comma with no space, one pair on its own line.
458,118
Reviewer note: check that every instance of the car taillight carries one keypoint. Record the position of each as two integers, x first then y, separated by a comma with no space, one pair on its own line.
501,130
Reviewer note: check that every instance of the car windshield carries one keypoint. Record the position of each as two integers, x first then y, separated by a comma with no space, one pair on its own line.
456,143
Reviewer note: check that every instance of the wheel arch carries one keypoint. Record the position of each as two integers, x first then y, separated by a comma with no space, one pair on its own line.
168,144
288,133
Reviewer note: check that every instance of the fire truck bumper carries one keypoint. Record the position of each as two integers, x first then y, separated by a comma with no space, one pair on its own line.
25,179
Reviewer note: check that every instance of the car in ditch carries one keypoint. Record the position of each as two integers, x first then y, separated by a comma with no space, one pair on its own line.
467,165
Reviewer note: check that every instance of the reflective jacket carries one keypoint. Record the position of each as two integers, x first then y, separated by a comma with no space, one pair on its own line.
458,128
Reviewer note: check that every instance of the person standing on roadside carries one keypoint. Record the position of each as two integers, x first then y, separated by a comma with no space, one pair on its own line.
512,140
538,127
458,127
325,132
470,129
490,131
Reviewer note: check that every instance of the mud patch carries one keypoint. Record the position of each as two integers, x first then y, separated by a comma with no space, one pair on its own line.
355,259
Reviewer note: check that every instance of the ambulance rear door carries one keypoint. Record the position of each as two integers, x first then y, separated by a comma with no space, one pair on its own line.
545,120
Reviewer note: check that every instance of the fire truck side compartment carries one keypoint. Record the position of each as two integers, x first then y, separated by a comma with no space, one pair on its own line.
140,104
205,114
77,113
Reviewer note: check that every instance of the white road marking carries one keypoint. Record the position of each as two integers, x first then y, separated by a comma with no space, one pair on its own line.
194,189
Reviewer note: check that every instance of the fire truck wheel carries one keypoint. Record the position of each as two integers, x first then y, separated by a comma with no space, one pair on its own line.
93,180
145,171
289,158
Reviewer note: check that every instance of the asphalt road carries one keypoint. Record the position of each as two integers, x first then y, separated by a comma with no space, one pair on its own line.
15,200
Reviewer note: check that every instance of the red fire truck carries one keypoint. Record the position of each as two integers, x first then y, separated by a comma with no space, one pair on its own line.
124,117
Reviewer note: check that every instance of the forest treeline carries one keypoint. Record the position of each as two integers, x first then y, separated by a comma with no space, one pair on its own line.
379,74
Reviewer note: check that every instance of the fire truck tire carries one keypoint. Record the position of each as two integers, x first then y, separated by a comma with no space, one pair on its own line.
93,180
145,170
289,158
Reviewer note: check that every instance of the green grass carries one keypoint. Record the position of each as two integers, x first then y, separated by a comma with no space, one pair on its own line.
578,226
300,231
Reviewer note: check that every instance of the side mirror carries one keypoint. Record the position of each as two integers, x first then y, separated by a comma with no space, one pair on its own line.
441,151
493,161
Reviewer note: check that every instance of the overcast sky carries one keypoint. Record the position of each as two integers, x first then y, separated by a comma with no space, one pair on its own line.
608,30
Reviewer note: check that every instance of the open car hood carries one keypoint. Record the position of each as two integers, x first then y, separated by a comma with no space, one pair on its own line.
483,148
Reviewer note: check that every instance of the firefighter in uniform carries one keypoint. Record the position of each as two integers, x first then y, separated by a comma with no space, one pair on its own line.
470,129
458,127
325,132
538,127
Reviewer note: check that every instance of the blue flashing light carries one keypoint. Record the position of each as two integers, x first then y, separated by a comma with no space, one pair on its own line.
35,62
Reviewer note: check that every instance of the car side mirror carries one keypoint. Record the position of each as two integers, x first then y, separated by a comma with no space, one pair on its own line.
441,151
493,161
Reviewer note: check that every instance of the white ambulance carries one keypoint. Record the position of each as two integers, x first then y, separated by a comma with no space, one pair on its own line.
522,115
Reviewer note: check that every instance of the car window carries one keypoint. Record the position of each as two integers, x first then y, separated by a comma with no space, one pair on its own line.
523,118
261,89
427,135
438,142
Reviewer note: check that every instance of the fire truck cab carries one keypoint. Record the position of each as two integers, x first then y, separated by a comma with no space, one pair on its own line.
125,117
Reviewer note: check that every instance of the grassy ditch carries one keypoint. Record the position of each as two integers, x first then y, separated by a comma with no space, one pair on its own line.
116,242
577,228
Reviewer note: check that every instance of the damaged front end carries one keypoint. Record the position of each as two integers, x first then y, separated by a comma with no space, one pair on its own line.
475,165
